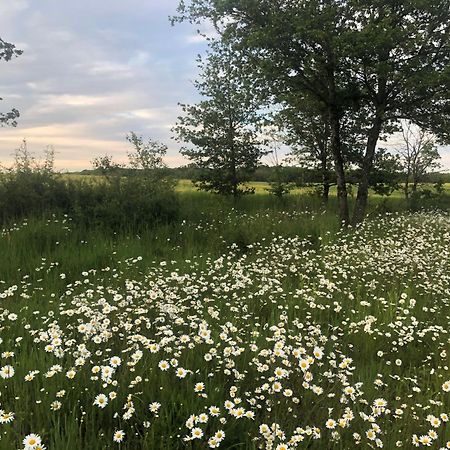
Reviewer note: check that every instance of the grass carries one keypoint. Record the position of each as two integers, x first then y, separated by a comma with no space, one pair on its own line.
299,333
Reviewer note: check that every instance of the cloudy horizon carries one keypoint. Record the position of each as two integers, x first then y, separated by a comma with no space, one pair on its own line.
93,71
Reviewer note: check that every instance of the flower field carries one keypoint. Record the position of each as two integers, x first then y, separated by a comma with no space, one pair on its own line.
335,342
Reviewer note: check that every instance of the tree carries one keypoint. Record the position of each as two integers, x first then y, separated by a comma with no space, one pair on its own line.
26,164
308,133
107,167
279,184
223,128
374,61
7,52
385,177
298,49
401,57
146,156
419,156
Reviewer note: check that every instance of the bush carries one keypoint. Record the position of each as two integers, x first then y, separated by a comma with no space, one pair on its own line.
141,199
31,195
130,203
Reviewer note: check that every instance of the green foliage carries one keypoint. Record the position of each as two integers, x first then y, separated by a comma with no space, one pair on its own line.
106,166
363,64
279,186
418,156
146,157
141,197
30,187
223,128
386,175
134,196
128,203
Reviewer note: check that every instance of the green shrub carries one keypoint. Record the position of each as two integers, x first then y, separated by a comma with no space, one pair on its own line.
141,199
131,203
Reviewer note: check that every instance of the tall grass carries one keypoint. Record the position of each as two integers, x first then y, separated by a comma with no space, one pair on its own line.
256,286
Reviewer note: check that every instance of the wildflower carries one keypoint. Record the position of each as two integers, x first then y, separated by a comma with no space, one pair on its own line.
101,400
115,361
154,407
163,365
197,433
304,364
282,447
119,436
71,374
214,411
56,405
213,443
199,387
371,434
425,440
379,403
31,441
6,417
219,435
7,372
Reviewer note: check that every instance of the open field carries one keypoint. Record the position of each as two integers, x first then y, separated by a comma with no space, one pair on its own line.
255,326
260,187
152,297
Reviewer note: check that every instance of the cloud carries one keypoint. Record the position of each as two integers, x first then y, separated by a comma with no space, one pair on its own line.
195,39
9,10
139,59
86,79
92,71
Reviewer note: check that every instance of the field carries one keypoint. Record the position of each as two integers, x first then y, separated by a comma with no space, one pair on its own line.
256,325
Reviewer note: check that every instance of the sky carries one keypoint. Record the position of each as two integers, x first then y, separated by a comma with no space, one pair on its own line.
91,72
94,70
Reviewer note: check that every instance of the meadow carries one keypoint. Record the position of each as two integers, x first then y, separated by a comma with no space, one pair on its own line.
256,325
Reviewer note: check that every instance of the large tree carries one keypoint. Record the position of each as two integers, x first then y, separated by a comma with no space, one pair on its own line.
377,61
309,137
307,130
7,52
401,59
222,129
298,48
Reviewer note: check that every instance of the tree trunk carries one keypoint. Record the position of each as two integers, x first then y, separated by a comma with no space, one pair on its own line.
335,144
407,186
335,138
234,178
325,192
325,175
367,164
325,185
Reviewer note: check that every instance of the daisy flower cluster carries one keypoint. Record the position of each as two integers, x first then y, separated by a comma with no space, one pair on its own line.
292,343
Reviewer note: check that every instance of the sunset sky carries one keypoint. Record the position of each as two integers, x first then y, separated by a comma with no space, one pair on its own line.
92,71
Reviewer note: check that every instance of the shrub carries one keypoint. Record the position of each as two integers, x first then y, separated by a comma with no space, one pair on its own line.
141,195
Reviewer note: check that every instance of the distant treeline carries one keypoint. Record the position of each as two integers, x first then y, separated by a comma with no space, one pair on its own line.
264,173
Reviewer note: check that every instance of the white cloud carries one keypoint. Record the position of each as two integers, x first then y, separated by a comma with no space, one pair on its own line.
91,72
195,39
139,59
204,32
11,8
